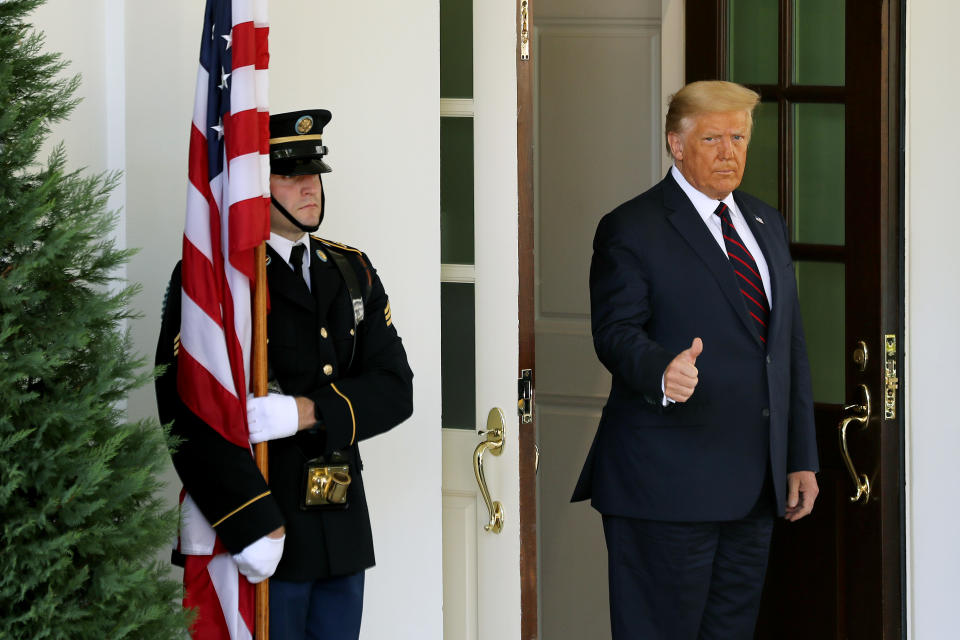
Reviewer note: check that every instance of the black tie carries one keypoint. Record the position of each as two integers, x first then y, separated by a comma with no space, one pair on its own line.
296,261
745,268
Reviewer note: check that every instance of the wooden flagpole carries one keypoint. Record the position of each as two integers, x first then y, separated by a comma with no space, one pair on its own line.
259,367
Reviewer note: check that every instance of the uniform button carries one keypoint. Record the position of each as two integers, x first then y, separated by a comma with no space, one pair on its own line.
769,359
323,332
352,332
766,413
327,369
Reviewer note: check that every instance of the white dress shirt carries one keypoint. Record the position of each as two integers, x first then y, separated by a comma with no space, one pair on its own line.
284,247
705,206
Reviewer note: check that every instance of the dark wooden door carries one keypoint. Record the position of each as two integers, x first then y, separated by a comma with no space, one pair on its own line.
825,151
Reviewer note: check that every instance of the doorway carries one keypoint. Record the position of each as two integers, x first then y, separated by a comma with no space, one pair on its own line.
824,152
829,127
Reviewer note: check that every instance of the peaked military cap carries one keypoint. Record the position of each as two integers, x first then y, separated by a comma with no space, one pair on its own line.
296,142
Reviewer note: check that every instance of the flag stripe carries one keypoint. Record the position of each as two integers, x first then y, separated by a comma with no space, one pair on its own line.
244,178
202,290
243,11
245,226
244,48
243,91
200,99
196,228
224,576
205,344
197,170
261,34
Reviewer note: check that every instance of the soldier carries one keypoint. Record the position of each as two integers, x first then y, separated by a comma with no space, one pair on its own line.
338,374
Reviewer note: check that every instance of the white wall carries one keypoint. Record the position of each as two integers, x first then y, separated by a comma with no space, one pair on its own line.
933,330
381,80
91,40
61,21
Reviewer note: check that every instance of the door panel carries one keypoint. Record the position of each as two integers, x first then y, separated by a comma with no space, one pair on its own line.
462,510
479,275
831,90
598,142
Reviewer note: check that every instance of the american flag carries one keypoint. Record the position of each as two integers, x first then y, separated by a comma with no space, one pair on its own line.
227,218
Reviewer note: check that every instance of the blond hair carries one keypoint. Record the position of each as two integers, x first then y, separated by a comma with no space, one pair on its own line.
707,96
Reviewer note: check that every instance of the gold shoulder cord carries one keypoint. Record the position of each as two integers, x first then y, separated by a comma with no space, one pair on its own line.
353,417
338,245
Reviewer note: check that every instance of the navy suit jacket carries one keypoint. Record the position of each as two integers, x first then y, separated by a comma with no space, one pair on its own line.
659,279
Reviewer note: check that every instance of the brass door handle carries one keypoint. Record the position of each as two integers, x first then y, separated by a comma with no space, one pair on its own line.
862,417
493,443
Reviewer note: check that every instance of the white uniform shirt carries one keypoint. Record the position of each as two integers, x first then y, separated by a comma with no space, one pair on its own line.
284,247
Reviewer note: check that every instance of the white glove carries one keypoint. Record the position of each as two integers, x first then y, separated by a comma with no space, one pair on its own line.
271,417
259,559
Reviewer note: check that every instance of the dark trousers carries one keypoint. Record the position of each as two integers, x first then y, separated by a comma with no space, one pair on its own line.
318,610
687,580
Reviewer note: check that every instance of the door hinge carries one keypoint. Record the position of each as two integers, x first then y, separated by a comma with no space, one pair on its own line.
525,396
524,30
890,380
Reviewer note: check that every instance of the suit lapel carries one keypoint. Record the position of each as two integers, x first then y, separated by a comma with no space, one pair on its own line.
684,217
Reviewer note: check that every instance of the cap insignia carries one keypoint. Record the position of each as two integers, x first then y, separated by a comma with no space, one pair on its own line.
321,255
304,125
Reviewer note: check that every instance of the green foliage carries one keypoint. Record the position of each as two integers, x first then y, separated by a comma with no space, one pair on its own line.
82,524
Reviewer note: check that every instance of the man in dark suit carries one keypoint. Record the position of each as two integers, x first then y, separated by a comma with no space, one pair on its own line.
708,431
338,375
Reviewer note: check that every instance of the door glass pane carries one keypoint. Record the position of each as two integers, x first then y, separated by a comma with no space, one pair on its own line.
818,42
760,175
818,150
457,357
753,29
821,288
456,190
456,48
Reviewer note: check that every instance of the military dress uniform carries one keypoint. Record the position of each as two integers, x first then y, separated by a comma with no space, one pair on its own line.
359,379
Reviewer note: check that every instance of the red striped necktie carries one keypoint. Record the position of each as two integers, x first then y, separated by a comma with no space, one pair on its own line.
745,268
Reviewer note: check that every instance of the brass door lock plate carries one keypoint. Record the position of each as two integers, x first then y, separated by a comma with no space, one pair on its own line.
890,381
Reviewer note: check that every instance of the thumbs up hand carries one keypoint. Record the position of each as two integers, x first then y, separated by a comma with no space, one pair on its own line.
680,376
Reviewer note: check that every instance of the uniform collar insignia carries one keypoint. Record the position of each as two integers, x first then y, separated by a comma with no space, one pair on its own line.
321,255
